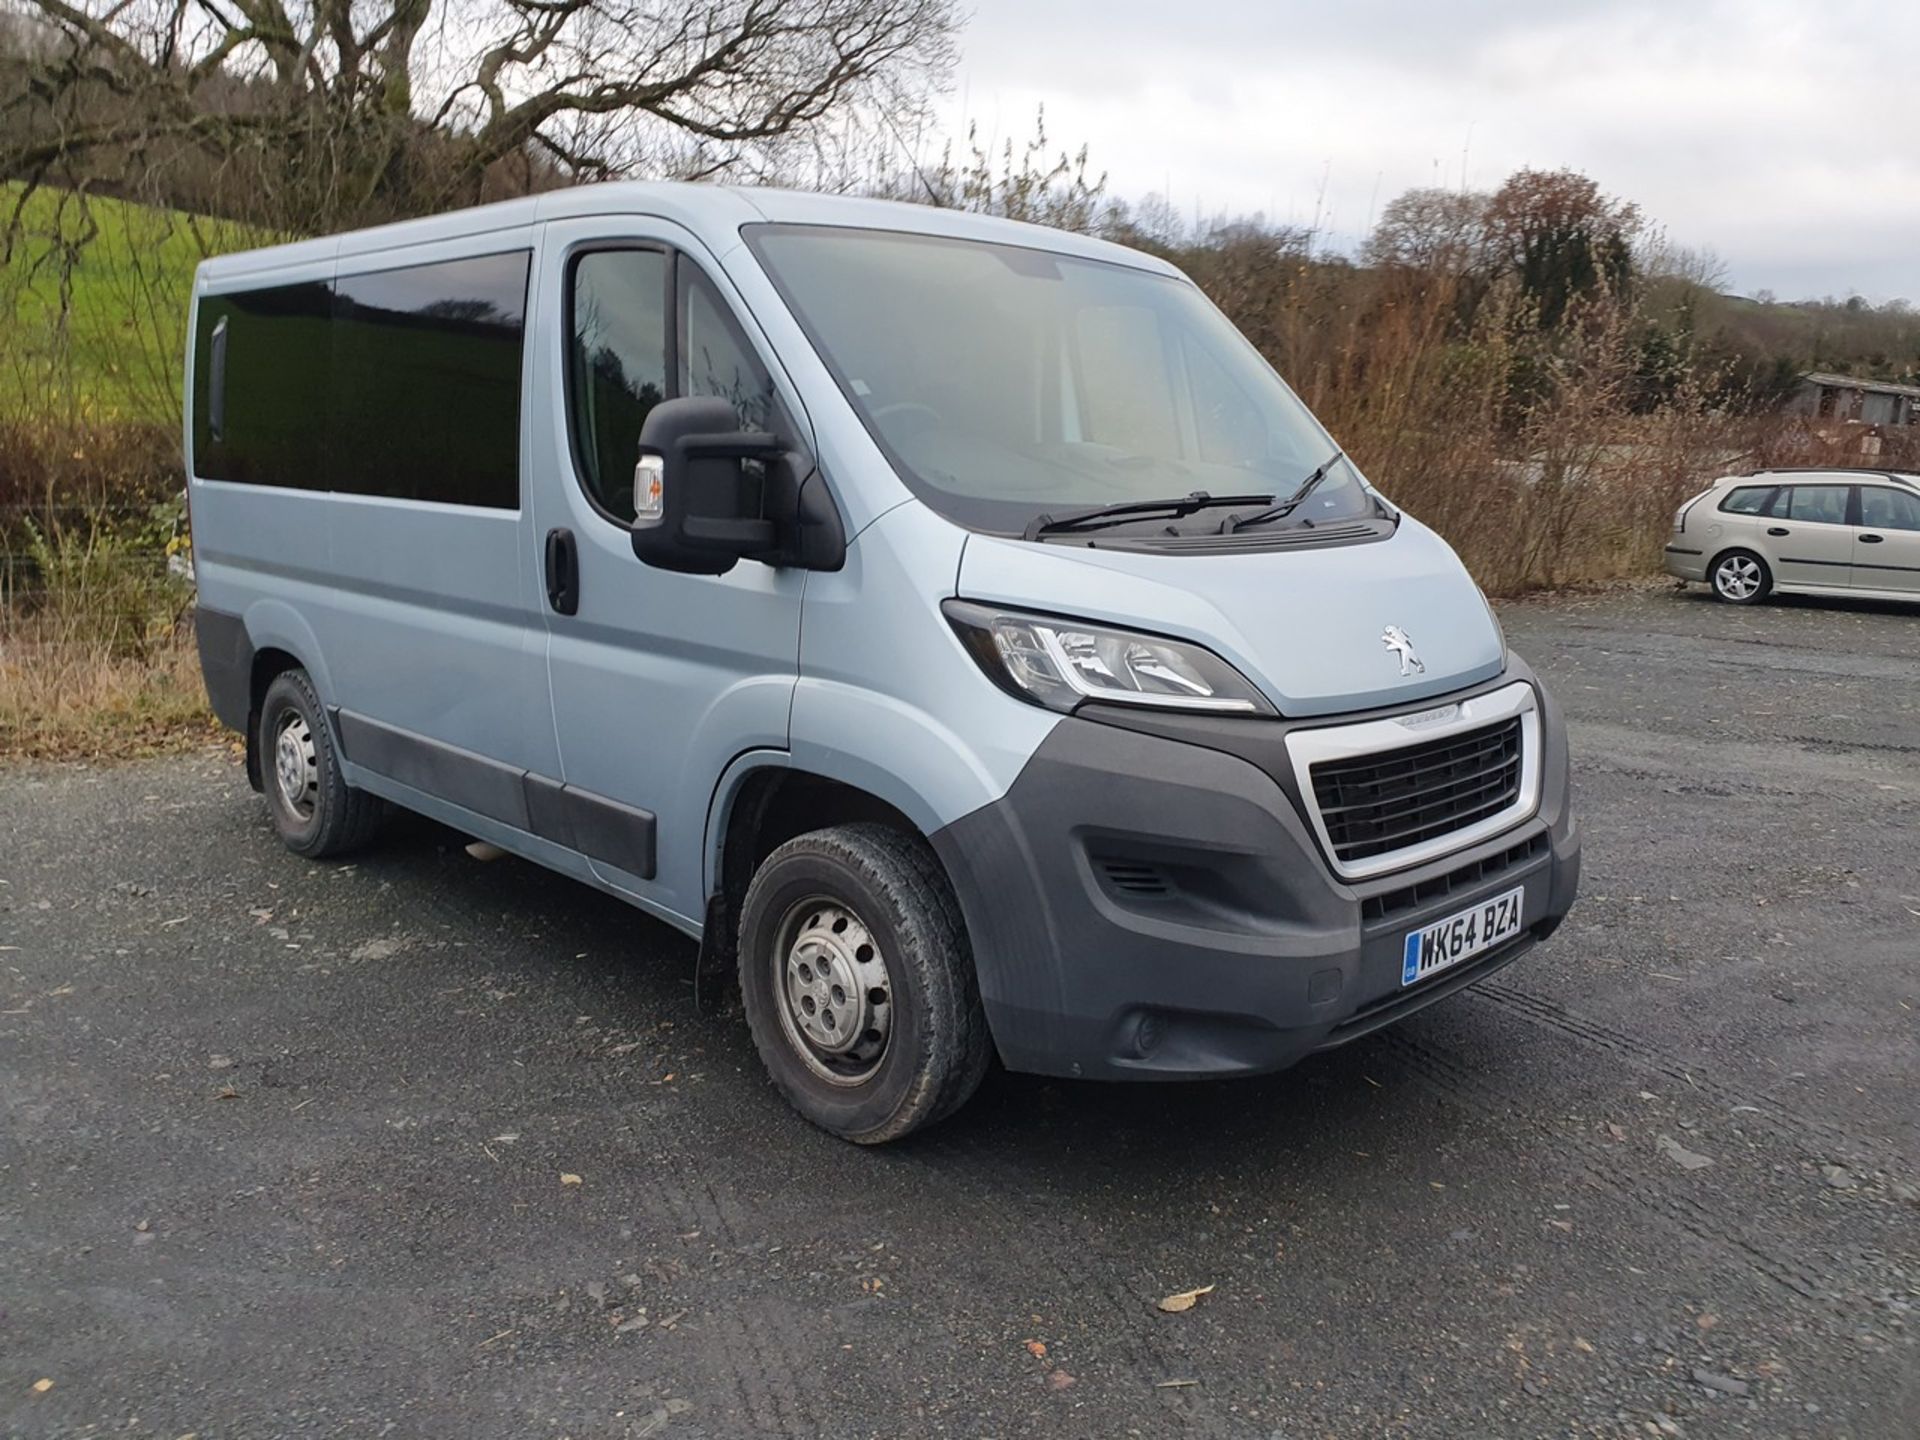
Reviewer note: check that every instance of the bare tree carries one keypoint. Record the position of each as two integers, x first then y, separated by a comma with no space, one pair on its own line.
333,111
1439,232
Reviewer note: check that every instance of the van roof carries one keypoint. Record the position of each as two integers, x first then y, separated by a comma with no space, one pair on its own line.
709,211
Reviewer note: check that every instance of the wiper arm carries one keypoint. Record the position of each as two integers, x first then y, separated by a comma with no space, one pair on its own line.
1099,517
1286,506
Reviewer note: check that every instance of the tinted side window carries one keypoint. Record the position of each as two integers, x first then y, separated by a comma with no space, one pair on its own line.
274,429
1818,504
715,358
617,366
1748,500
426,394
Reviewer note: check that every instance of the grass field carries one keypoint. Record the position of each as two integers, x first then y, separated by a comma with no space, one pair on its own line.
93,294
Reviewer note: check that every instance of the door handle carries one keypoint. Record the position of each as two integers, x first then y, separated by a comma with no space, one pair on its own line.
1778,530
563,572
1871,539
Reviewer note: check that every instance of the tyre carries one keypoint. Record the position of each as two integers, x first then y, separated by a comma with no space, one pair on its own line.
1740,577
858,983
315,812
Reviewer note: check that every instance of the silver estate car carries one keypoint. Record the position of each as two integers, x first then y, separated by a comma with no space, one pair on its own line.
1811,532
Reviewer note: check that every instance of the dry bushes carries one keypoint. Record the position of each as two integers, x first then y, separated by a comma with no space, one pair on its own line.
1537,452
96,657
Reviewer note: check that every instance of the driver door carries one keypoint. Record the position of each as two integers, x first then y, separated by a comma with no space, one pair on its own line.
658,679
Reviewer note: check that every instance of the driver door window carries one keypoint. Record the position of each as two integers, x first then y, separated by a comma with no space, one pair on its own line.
715,358
616,366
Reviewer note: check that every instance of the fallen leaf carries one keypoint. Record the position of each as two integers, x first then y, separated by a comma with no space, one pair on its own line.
1037,1349
1618,1132
568,1178
41,1386
226,1092
1058,1379
1185,1300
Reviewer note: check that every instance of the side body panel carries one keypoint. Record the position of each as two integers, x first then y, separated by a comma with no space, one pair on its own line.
659,679
430,617
888,700
413,614
1887,556
1806,551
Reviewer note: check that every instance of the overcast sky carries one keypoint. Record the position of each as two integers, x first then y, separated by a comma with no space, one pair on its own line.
1784,136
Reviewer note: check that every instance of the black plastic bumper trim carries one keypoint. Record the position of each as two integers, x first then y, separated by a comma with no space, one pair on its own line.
601,829
226,664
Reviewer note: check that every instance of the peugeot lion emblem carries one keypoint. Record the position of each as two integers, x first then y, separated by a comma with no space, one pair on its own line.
1395,639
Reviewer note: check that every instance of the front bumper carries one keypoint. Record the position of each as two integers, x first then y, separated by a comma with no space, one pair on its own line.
1147,902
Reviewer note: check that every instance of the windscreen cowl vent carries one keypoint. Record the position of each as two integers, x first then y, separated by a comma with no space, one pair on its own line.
1134,877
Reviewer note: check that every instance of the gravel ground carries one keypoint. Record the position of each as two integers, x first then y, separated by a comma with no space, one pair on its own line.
426,1146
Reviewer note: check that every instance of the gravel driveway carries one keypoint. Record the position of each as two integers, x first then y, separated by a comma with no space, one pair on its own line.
428,1146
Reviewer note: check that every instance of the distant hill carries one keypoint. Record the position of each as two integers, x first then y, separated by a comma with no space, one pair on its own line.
93,301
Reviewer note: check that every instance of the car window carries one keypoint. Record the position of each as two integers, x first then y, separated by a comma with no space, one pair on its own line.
1818,504
1885,508
617,371
1748,500
715,358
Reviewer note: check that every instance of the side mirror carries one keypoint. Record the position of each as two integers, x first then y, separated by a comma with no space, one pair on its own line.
697,508
708,494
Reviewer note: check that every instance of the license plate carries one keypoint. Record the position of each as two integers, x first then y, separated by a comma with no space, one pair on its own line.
1446,943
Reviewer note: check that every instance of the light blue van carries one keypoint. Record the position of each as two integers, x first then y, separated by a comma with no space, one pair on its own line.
954,625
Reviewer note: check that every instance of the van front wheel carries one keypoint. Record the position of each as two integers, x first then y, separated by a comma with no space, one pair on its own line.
315,812
858,982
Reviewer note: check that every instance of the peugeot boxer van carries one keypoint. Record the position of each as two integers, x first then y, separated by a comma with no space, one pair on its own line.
953,625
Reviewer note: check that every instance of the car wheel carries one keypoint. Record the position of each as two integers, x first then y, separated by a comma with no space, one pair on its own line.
858,982
315,812
1740,577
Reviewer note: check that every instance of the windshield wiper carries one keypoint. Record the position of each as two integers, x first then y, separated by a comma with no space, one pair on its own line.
1286,506
1102,516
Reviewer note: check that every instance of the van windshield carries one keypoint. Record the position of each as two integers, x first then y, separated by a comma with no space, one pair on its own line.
1005,382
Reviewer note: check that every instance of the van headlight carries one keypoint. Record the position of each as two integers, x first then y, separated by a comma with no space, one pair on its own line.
1060,663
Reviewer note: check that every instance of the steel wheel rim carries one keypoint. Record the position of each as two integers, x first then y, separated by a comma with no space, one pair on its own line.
833,991
296,768
1737,578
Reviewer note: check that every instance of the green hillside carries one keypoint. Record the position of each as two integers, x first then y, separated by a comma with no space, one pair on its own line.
93,294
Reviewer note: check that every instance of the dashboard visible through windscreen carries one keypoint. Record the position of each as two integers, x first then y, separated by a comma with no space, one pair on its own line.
1005,382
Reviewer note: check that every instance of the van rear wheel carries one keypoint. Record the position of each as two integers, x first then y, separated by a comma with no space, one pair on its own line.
315,812
858,983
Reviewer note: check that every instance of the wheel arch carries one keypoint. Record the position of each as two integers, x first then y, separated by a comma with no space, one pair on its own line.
762,801
280,640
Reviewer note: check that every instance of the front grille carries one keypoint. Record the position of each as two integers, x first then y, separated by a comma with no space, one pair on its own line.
1389,903
1393,799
